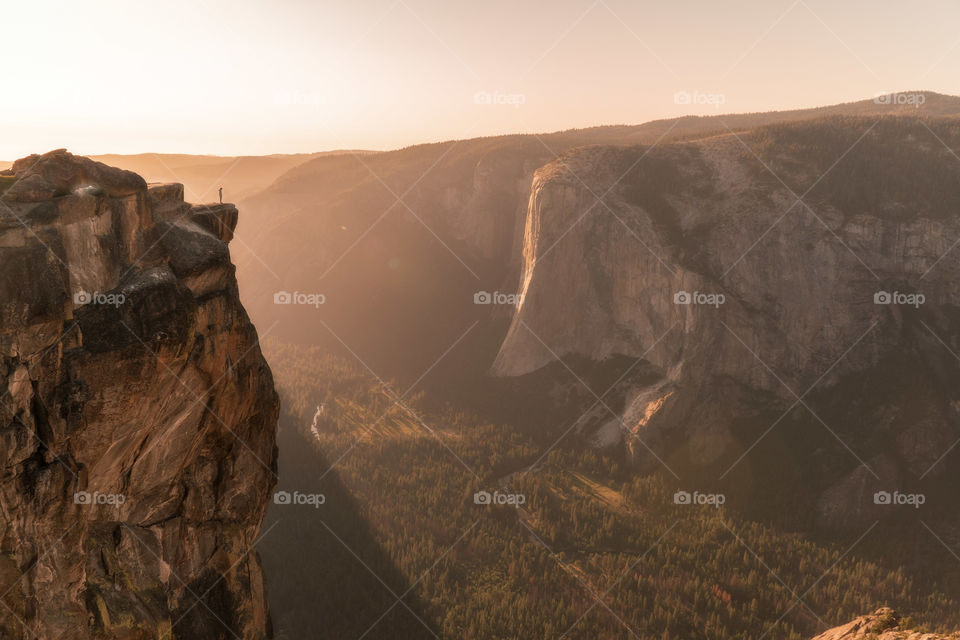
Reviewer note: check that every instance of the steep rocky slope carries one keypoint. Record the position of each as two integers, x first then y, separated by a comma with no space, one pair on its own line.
883,624
784,319
139,416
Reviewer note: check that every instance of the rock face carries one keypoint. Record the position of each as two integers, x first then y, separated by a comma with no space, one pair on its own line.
325,227
883,624
697,258
139,416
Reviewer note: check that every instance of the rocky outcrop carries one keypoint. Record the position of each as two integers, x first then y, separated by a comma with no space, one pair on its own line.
883,624
60,173
697,258
138,421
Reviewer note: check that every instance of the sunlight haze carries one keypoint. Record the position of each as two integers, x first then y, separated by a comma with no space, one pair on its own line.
226,78
527,320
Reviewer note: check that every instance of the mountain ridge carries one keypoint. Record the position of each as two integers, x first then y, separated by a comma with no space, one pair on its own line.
464,206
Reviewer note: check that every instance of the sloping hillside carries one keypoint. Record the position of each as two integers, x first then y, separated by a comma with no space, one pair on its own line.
201,176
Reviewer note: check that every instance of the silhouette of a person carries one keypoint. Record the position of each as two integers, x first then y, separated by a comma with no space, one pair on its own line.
221,195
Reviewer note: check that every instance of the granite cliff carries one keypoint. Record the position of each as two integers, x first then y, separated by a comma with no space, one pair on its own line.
764,280
883,624
138,421
413,233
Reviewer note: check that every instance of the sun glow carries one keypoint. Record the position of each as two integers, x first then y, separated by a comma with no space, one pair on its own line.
246,77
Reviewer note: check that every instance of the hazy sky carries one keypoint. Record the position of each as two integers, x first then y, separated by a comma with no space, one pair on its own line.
251,77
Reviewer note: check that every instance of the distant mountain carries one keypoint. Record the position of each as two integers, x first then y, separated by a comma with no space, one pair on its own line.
244,176
598,276
701,266
333,225
906,103
202,175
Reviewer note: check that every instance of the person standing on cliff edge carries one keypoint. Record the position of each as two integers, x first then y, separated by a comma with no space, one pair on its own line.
221,195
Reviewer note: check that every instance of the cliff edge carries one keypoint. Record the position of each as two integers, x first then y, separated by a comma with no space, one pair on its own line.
139,416
883,624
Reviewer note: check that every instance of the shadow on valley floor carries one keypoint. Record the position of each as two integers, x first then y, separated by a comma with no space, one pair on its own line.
327,576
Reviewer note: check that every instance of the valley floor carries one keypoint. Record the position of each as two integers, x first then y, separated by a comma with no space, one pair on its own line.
436,524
